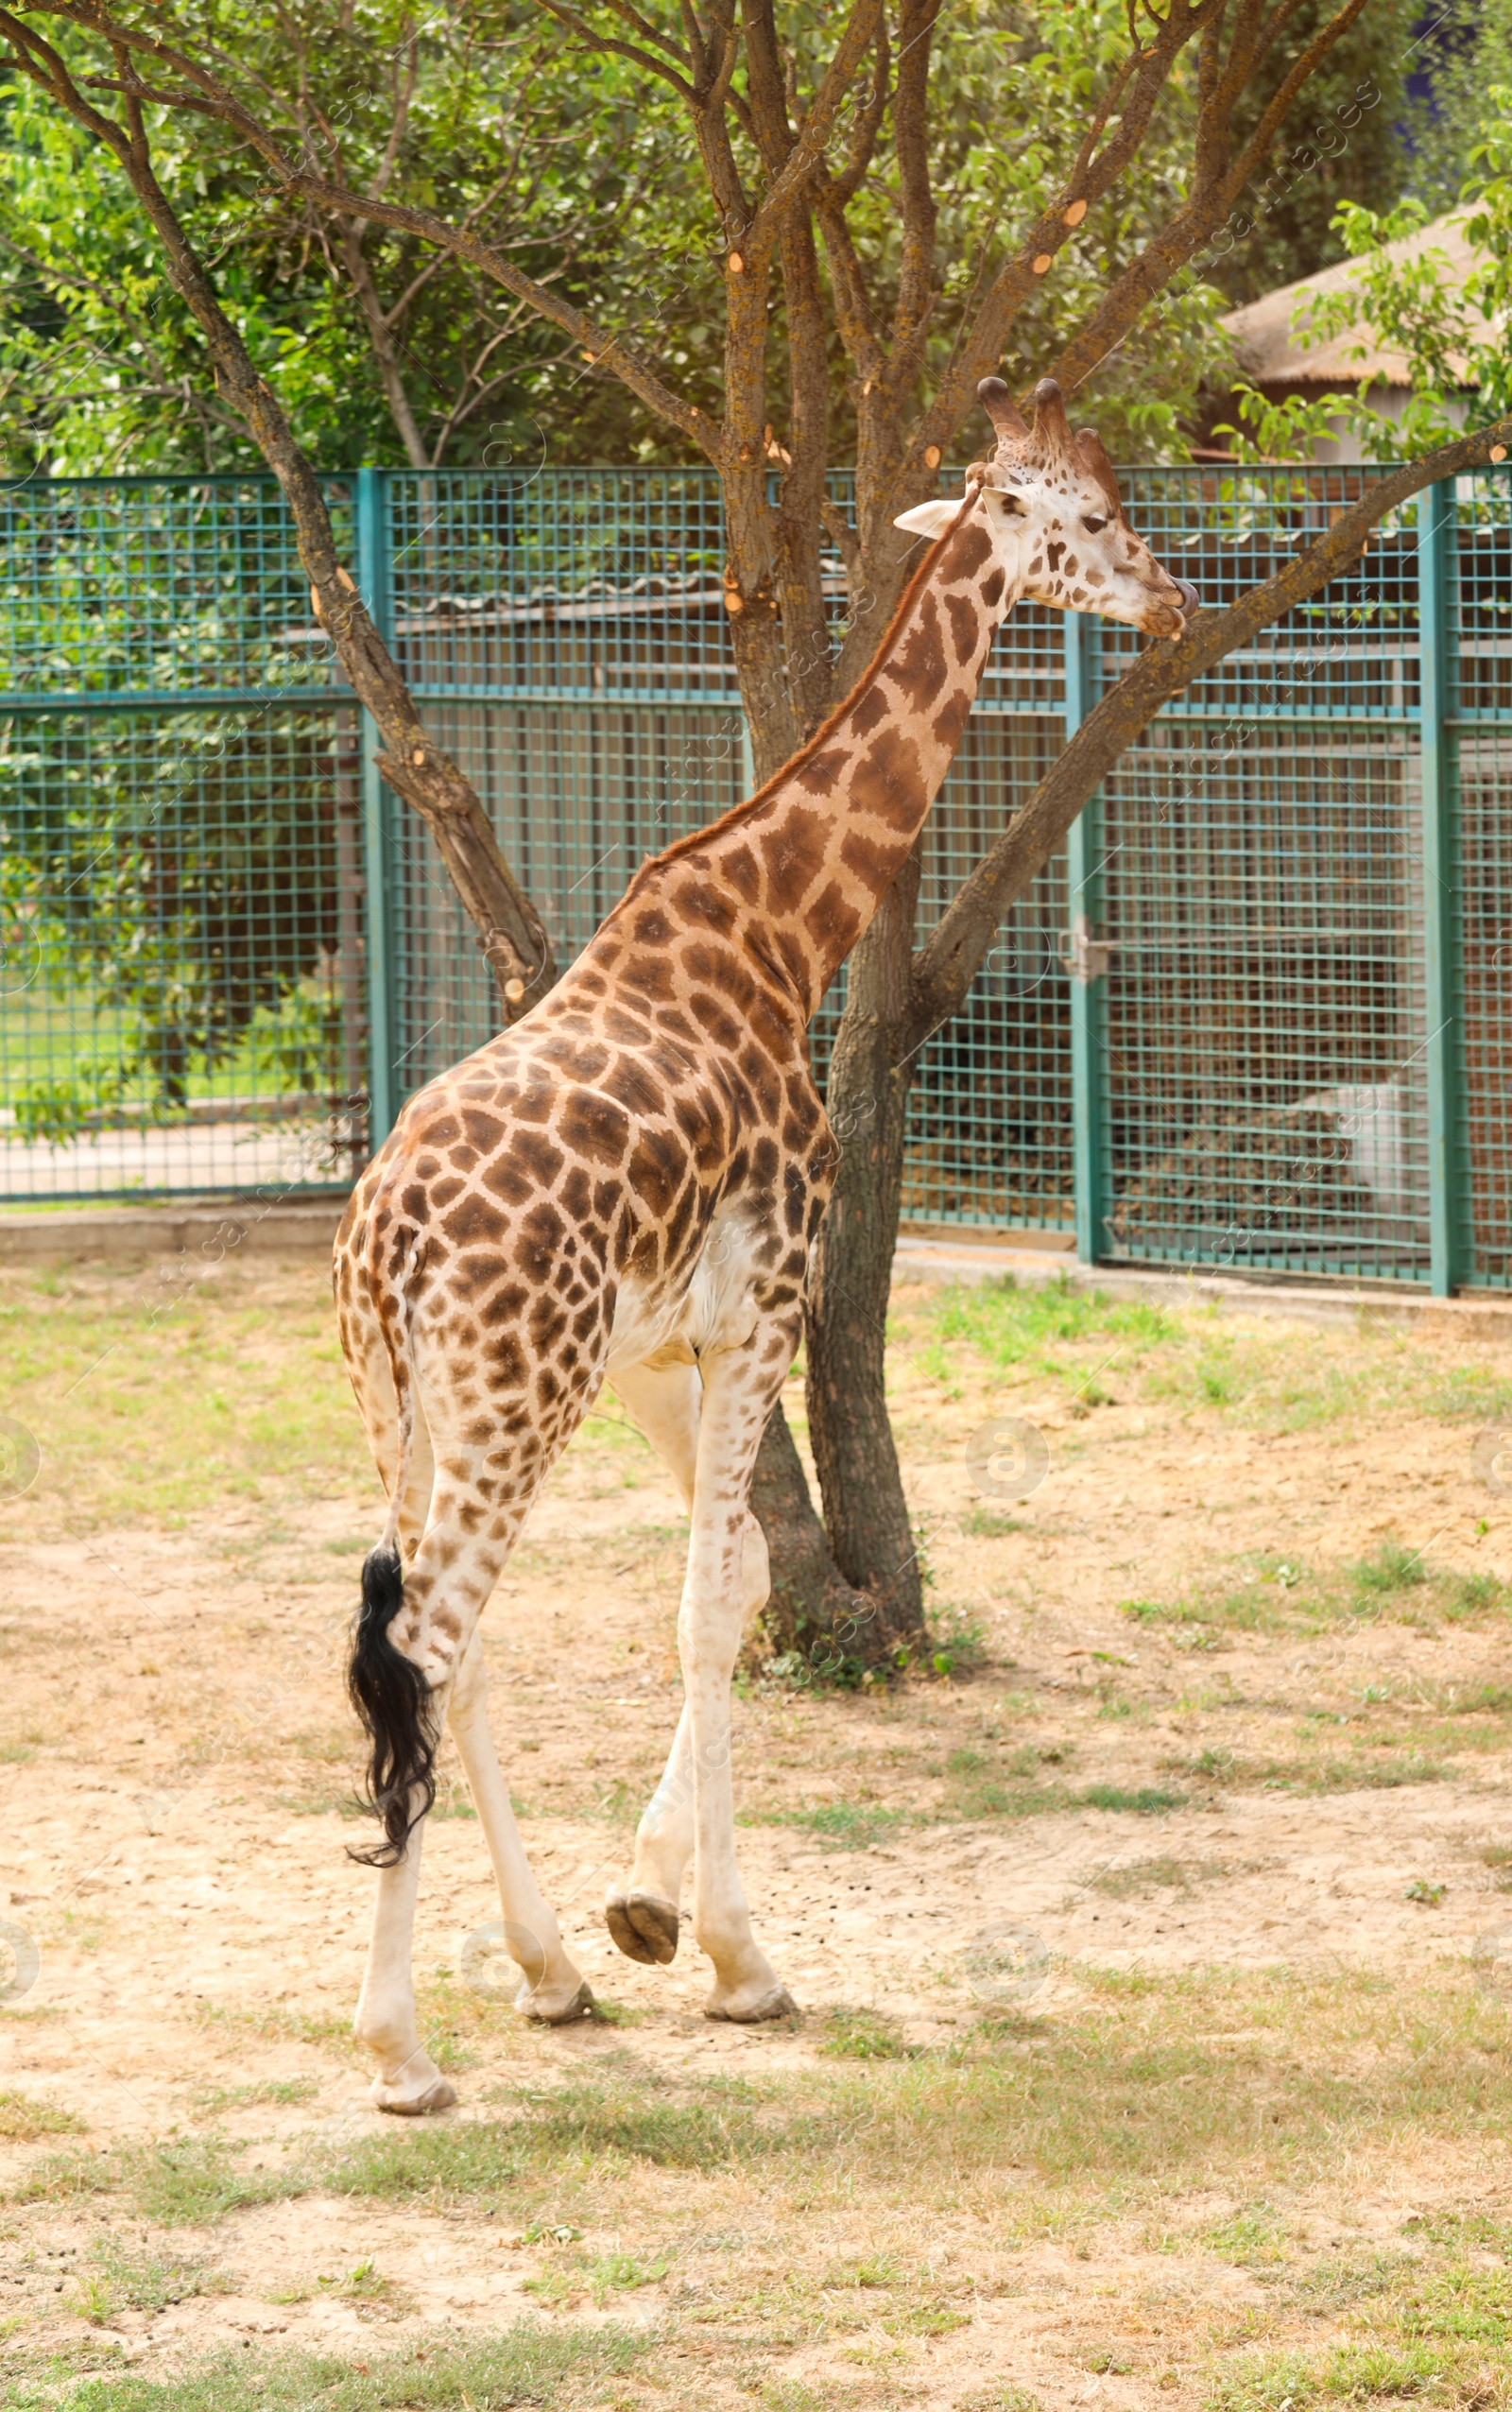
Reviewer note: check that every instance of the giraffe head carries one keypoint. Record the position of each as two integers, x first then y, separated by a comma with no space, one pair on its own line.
1051,505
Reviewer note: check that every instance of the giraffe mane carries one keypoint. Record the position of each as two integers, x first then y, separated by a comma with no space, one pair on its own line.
732,819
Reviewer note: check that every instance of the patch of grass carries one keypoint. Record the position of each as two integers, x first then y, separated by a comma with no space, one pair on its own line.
618,2273
1390,1567
1146,2082
212,2100
1145,1801
848,1825
1255,2238
926,2319
1278,1595
993,1799
1444,2335
186,2182
1035,1328
156,1404
1385,1774
126,2282
955,1643
985,1524
1465,1599
23,2119
281,2026
1470,1393
862,2034
527,2364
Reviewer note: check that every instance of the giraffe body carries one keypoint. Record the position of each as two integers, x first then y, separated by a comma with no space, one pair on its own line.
624,1187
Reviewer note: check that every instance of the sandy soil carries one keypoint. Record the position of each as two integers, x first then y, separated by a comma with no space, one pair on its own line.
172,1840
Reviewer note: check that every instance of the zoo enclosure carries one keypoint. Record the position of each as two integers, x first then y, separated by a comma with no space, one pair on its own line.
1255,1014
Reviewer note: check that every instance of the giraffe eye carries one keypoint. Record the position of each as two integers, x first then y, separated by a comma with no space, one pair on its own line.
1094,526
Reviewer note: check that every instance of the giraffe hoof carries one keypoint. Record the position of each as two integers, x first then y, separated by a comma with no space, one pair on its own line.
644,1926
777,2003
547,2011
439,2096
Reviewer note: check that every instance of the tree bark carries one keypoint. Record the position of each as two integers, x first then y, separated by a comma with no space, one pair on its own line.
850,1276
814,1613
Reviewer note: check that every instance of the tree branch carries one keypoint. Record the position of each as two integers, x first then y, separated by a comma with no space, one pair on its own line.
510,933
209,97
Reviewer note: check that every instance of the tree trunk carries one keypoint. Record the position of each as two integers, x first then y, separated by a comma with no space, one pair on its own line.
813,1614
850,1276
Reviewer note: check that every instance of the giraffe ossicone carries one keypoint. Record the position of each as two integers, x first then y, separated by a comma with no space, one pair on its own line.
624,1187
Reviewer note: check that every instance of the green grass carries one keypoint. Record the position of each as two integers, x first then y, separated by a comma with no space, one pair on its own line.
1280,1596
1032,1330
121,2280
1148,2082
186,2182
23,2119
1144,1801
154,1402
862,2034
212,2099
528,2363
846,1825
1387,1773
1443,2336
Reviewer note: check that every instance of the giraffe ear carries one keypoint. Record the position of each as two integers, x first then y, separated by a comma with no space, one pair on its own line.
928,519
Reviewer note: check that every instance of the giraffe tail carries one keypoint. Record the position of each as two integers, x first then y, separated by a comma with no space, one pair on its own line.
388,1690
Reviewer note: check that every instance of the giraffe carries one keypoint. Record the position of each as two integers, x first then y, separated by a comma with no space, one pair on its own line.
624,1187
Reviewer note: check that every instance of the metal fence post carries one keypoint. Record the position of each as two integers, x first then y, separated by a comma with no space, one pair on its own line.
1435,563
1087,960
377,820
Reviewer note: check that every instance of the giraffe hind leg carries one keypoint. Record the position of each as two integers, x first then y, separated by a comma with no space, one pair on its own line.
642,1914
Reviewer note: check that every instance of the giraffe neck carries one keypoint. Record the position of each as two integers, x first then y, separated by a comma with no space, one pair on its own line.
812,853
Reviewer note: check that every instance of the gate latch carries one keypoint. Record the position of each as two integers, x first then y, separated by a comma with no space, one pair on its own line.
1087,958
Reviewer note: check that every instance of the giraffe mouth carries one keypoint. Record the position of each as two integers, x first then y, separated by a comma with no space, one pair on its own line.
1190,599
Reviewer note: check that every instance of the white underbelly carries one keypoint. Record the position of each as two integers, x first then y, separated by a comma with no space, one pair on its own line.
716,1310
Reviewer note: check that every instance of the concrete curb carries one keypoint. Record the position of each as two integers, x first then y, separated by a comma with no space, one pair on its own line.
1304,1300
210,1230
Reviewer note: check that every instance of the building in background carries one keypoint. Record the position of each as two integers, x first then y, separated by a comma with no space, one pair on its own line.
1269,355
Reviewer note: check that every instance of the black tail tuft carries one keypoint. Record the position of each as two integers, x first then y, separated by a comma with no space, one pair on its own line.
391,1696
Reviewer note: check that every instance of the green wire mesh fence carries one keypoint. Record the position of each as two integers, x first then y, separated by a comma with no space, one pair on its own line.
1256,1016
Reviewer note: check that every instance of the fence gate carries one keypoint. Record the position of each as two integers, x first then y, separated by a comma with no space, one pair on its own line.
1256,1014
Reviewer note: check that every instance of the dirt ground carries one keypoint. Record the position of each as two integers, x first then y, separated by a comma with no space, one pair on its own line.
1150,1934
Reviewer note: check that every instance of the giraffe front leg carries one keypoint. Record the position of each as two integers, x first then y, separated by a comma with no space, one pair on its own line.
740,1385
